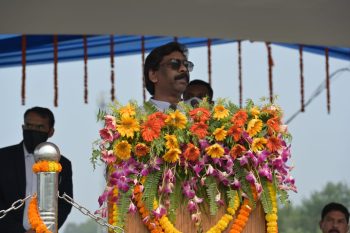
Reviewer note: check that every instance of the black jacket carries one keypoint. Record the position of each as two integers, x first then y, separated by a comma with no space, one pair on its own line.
13,188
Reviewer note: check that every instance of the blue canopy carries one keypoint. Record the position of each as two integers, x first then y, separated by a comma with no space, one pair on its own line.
39,48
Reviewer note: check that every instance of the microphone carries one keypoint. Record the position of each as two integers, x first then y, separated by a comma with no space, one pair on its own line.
194,101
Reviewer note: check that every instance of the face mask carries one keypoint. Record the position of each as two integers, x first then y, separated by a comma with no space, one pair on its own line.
32,138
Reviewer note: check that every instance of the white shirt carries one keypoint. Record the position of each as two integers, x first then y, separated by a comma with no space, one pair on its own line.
31,184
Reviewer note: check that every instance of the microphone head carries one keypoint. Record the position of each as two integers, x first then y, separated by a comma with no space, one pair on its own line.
194,101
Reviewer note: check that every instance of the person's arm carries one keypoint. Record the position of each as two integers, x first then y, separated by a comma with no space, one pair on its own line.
65,186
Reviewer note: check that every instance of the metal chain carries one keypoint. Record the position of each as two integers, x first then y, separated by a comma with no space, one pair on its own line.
86,212
16,205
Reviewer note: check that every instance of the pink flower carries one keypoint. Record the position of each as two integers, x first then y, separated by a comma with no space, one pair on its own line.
108,156
106,135
159,212
110,122
132,208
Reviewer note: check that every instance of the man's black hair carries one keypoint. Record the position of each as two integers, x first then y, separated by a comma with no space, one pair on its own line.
156,56
44,113
202,83
335,207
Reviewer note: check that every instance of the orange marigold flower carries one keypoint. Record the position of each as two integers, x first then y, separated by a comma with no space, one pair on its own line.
215,151
236,132
150,130
237,150
220,112
200,114
240,118
273,123
254,127
199,129
141,149
122,150
192,152
273,144
220,133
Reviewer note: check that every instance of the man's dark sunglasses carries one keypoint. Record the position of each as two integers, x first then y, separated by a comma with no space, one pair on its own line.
175,64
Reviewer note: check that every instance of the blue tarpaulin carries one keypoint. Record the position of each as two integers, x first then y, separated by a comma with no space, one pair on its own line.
39,48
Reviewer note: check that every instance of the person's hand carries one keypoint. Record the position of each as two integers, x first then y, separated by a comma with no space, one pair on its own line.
30,231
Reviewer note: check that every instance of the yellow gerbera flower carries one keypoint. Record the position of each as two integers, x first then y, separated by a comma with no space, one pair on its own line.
255,111
127,111
122,150
254,127
215,151
176,119
220,112
220,133
171,141
258,144
128,126
172,155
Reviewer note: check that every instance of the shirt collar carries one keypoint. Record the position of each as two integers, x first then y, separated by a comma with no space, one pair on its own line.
26,153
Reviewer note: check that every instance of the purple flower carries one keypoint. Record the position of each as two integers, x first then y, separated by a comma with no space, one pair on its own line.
191,206
159,212
250,178
236,184
132,208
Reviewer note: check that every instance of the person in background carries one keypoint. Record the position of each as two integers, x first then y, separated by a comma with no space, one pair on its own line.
17,179
196,90
166,74
334,218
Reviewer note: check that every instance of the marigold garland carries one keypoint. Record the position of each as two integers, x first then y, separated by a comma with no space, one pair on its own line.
328,81
143,51
85,69
209,60
270,63
301,64
34,218
240,89
112,66
47,166
271,218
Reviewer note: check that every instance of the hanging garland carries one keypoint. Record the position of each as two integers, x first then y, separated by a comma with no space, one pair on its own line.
209,60
270,63
328,82
143,66
34,218
112,66
55,59
240,87
24,49
85,70
301,64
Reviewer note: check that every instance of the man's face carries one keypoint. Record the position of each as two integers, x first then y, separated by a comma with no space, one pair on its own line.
34,121
199,91
169,80
334,222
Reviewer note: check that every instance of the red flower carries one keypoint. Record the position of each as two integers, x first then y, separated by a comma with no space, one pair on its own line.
200,114
199,129
192,152
237,150
240,118
236,132
150,130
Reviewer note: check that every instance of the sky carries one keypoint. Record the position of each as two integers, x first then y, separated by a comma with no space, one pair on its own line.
320,140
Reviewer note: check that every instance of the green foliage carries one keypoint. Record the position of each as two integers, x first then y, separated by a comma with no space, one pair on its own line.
306,216
212,191
123,207
265,197
175,201
151,188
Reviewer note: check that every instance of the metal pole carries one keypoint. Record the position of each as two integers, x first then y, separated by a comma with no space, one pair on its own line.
47,184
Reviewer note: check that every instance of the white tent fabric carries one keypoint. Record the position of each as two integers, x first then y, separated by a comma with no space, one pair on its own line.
308,22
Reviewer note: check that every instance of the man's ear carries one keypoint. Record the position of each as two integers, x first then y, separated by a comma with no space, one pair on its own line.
51,132
153,77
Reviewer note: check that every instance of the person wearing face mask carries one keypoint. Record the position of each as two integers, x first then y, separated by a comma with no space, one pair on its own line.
195,92
17,180
334,218
166,74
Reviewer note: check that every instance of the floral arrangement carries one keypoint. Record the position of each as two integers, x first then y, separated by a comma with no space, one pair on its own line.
212,154
46,166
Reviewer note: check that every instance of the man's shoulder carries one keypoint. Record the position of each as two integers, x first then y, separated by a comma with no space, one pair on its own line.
10,149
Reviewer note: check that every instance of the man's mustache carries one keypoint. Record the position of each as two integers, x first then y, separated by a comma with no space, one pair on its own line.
183,76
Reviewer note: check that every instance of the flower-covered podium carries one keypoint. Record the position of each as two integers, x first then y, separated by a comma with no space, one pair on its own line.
212,168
